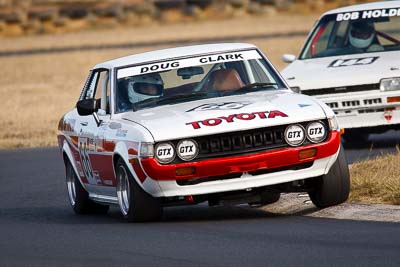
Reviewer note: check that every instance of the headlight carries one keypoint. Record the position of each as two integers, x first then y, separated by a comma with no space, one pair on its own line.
165,152
296,89
316,132
333,124
146,150
390,84
187,149
294,135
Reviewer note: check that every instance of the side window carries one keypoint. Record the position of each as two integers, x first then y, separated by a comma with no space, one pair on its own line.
98,87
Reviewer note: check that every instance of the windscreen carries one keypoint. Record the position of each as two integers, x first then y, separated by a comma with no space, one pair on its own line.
366,31
188,79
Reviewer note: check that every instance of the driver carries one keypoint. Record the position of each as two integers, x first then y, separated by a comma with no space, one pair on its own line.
144,87
362,36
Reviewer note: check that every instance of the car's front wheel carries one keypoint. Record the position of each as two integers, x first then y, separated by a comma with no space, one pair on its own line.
332,188
135,204
77,195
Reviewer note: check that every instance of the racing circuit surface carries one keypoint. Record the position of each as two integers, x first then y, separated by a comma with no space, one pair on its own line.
38,227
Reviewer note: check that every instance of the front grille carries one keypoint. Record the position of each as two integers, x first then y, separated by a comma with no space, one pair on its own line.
342,89
240,142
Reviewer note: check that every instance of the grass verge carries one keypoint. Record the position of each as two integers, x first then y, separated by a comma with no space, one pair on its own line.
377,180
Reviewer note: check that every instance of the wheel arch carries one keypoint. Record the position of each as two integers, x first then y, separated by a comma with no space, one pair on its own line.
121,151
68,156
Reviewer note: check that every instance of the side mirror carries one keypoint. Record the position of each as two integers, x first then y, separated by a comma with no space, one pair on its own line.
287,58
86,107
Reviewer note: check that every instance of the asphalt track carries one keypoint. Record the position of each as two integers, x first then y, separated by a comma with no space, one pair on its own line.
38,228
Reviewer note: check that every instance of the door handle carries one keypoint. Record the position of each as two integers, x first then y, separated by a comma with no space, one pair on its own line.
84,123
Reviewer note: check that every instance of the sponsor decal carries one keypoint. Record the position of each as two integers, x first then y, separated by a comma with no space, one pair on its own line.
121,133
316,131
368,14
304,105
235,117
165,152
294,135
352,62
220,106
187,149
188,62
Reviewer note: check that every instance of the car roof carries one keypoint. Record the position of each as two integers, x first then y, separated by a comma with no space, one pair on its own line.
368,6
169,53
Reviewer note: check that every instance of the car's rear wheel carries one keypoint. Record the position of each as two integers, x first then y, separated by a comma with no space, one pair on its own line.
135,204
332,188
77,195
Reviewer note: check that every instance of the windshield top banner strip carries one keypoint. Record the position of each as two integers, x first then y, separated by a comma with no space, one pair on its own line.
368,14
188,62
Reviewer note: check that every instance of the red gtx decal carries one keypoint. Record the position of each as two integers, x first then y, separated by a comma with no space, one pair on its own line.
234,117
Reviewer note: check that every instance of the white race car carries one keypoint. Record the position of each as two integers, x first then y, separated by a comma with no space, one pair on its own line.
186,125
351,61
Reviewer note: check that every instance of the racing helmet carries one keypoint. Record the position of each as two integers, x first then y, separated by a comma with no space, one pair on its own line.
144,87
361,34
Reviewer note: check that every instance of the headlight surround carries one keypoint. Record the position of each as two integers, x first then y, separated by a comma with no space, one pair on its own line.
295,135
146,150
187,149
390,84
316,131
165,152
333,124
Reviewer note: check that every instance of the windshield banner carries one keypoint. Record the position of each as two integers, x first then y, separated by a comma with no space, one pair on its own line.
368,14
188,62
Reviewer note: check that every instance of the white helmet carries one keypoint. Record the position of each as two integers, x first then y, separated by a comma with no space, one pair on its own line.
361,34
144,87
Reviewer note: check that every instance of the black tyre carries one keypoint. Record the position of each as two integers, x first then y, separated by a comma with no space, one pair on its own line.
356,137
77,195
334,187
135,204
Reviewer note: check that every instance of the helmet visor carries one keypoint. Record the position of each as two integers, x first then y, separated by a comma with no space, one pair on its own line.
150,89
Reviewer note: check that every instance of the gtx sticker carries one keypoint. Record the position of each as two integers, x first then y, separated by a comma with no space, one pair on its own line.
235,117
368,14
352,62
220,106
188,62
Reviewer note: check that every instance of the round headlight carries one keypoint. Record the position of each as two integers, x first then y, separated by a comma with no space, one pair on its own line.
316,131
294,135
187,149
165,152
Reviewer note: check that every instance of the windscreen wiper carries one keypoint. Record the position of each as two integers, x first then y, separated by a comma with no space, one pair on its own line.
163,100
179,97
252,87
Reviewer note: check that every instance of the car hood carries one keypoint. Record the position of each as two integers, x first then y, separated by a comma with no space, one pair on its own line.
344,70
226,114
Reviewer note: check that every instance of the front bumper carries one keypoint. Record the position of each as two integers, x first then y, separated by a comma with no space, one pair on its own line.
364,109
166,176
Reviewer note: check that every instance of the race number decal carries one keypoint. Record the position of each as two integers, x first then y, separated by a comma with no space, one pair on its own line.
220,106
83,146
352,62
